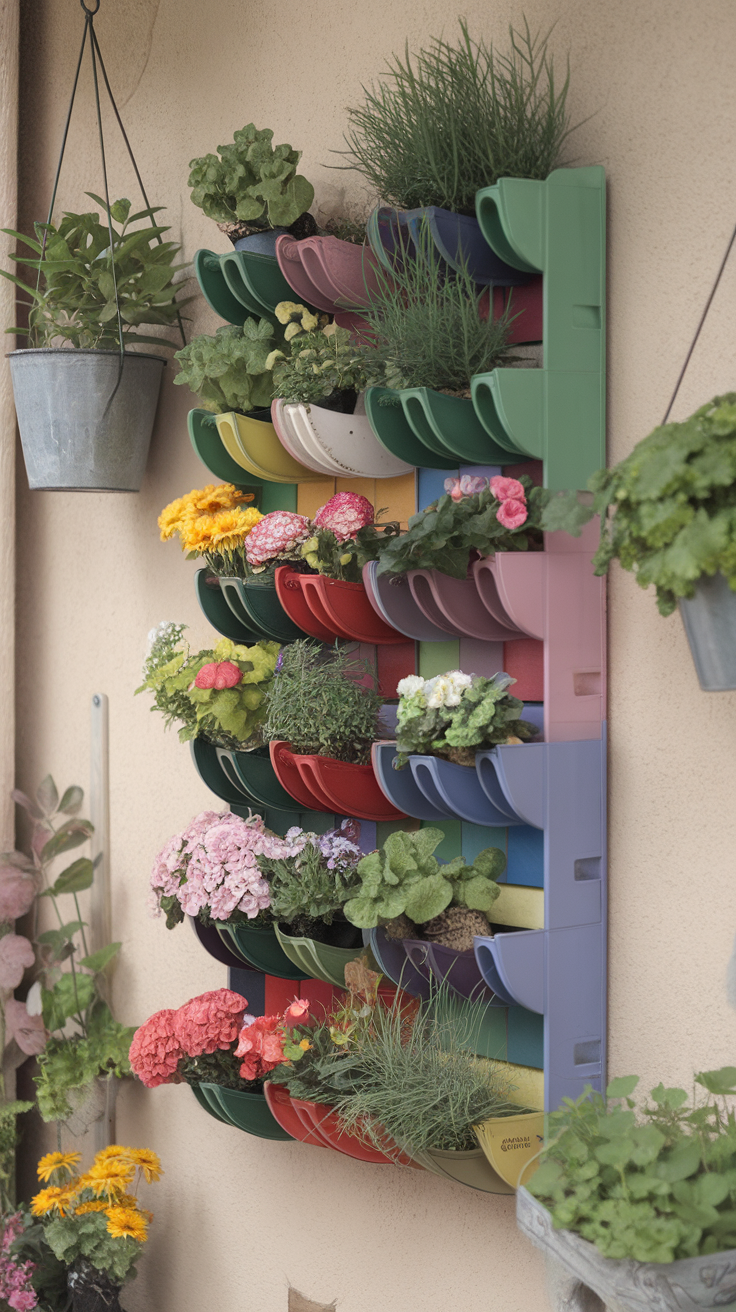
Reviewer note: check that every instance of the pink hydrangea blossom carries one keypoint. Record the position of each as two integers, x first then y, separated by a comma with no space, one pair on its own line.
209,1022
507,489
155,1052
218,674
261,1047
16,954
17,890
276,535
511,513
29,1032
345,514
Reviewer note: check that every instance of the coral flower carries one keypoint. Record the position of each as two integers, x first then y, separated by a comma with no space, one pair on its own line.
56,1162
261,1047
297,1013
210,1022
218,674
507,489
155,1052
511,513
125,1222
345,514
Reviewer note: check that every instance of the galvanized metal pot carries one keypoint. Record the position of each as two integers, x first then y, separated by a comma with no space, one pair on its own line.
78,432
710,624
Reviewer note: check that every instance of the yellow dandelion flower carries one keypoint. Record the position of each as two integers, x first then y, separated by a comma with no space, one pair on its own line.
98,1206
109,1177
56,1162
148,1161
171,518
230,528
52,1199
124,1222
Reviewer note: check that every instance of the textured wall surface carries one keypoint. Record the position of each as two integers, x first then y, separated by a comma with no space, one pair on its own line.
238,1219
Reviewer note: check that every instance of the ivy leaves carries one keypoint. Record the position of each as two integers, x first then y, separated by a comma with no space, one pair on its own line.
655,1183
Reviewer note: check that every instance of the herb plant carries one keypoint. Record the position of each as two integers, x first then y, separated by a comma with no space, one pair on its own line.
309,889
252,181
672,505
654,1181
457,527
318,705
85,1041
344,560
75,298
454,118
455,715
218,694
403,878
428,329
230,371
322,363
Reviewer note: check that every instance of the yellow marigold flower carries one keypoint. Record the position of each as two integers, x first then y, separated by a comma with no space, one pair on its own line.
112,1150
109,1177
230,528
223,497
292,330
309,321
99,1206
56,1162
172,516
52,1199
124,1222
148,1161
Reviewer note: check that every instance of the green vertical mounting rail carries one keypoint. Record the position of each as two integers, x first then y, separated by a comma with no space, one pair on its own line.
557,413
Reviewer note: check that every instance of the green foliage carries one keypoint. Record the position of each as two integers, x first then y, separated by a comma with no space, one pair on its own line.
444,535
303,888
421,1082
230,371
75,301
654,1182
221,1067
252,181
673,504
69,1065
75,1239
403,878
428,329
317,704
455,715
345,560
227,717
320,363
9,1140
454,118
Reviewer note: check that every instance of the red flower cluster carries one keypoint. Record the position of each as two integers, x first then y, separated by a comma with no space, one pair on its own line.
155,1053
261,1047
218,674
209,1022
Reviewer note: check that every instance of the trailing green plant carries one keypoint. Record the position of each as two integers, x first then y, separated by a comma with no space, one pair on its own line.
323,359
74,300
317,704
653,1181
668,511
428,329
67,1021
251,181
230,371
455,715
403,878
457,527
420,1082
451,119
218,694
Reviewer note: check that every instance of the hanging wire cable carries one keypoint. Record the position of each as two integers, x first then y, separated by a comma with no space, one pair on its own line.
92,45
699,328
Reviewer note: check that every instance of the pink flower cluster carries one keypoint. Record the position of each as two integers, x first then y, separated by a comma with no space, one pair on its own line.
276,535
345,514
15,1277
202,1025
213,865
218,674
261,1043
512,511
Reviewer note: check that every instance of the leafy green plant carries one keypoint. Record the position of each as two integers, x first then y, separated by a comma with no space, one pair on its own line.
251,180
403,878
455,715
97,1045
309,890
323,362
654,1181
454,118
228,705
449,532
672,505
420,1082
317,703
75,298
325,553
230,371
430,330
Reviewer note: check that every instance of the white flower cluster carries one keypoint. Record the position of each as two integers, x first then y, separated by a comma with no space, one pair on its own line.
442,690
167,631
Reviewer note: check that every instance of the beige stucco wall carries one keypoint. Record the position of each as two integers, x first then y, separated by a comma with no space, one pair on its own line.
237,1217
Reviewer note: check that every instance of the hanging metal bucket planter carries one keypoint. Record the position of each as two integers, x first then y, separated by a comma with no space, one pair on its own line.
710,624
80,429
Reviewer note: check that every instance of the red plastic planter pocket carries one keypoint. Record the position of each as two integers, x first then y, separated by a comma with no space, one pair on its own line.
349,789
327,1124
347,609
291,595
280,1105
287,772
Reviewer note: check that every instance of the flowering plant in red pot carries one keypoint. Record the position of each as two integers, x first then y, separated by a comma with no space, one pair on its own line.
345,537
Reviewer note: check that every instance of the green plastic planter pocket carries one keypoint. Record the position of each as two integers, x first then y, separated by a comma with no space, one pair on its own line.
321,960
246,1111
258,607
261,950
256,775
213,1107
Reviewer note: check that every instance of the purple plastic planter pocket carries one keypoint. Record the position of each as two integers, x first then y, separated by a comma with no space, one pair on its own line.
452,604
460,970
457,237
395,964
392,599
400,787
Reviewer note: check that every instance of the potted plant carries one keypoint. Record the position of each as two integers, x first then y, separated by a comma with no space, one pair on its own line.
452,119
221,1052
667,515
92,1223
636,1199
322,718
85,402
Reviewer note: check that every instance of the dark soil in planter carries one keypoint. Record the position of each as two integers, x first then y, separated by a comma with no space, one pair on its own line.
343,402
339,934
304,226
92,1290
